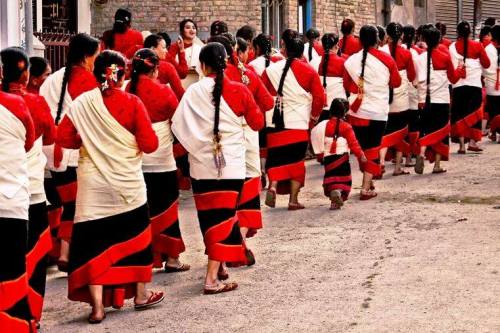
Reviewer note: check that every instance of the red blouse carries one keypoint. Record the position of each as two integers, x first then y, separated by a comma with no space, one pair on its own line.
174,51
80,81
263,98
181,66
335,66
345,131
404,60
475,50
40,113
309,80
352,44
446,42
167,74
16,105
126,43
159,100
442,61
128,110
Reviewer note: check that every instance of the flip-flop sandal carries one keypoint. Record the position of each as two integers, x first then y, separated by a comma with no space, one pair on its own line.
92,320
419,165
295,206
271,198
155,298
334,206
175,269
222,274
220,287
367,196
401,173
475,149
440,170
336,199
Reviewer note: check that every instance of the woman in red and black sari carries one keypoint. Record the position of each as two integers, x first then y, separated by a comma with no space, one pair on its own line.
15,79
110,256
122,37
160,171
216,158
492,83
59,90
467,98
17,135
299,101
436,71
369,76
394,141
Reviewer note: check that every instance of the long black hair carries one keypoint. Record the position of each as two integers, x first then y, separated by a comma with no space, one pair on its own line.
109,60
294,49
464,31
289,34
247,32
338,109
214,55
381,33
80,47
395,31
224,41
347,27
38,66
123,20
218,28
311,36
145,61
368,36
152,41
329,41
15,63
263,43
408,35
485,31
432,37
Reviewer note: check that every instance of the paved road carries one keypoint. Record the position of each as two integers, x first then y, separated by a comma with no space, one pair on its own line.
423,257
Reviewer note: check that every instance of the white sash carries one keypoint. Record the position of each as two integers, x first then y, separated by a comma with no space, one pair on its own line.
401,99
14,181
473,69
323,144
258,64
252,154
162,160
110,179
51,90
192,55
36,170
193,123
297,103
315,54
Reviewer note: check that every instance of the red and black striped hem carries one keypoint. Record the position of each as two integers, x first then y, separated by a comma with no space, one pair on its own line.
337,175
249,213
66,186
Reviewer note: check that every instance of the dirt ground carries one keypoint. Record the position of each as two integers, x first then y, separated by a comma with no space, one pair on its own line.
422,257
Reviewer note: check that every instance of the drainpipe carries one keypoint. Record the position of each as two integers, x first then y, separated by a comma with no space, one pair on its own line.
28,26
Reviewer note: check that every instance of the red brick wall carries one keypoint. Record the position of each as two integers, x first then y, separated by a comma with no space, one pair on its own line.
328,14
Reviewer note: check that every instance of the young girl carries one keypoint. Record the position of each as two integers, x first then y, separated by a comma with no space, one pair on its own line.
110,256
160,171
333,138
436,71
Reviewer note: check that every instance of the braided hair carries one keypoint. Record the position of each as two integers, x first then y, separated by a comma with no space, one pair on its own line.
80,47
368,36
123,20
338,109
263,46
408,36
224,41
311,36
294,50
214,56
394,31
442,29
432,37
464,31
347,27
15,64
329,41
145,61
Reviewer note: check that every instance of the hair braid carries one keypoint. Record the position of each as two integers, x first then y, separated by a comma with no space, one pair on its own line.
67,74
278,119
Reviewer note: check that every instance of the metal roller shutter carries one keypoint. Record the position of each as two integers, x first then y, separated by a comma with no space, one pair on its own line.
468,15
447,13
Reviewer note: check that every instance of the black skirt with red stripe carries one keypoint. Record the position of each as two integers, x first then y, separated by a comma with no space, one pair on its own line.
65,183
15,313
115,252
54,212
466,113
182,162
286,153
39,245
369,134
395,133
249,214
216,202
413,130
493,108
163,203
435,131
263,143
337,175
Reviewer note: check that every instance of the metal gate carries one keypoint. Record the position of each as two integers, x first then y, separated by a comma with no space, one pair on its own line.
56,47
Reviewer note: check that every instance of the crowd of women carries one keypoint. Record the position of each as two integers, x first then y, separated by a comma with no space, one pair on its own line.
93,155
